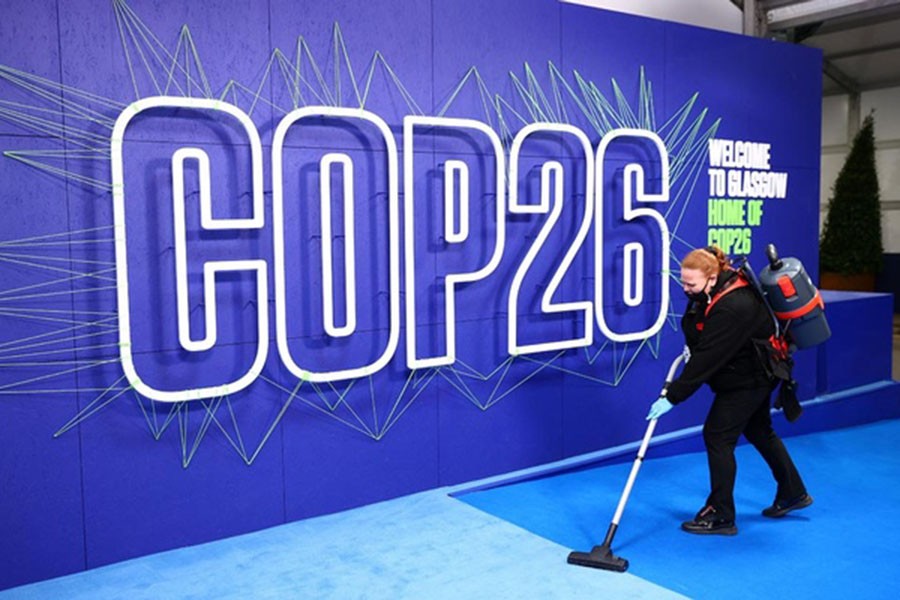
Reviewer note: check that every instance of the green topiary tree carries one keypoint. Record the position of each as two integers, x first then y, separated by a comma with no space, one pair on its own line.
851,238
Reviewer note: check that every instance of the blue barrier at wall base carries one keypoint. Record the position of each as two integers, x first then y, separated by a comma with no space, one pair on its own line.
848,408
843,383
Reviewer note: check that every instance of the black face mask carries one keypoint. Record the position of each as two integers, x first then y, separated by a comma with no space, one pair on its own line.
698,296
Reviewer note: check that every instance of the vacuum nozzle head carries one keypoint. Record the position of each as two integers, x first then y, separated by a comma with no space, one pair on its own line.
601,557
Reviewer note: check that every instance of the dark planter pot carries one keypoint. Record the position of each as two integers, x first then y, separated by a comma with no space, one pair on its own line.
862,282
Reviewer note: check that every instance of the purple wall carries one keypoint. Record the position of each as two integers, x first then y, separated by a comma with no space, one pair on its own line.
132,476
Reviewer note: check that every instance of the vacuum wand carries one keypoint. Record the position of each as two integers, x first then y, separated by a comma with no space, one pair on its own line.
602,557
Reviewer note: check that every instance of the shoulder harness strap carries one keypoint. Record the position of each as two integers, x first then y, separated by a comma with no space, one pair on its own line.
739,282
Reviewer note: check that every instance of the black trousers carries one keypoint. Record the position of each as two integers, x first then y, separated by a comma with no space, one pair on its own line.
744,412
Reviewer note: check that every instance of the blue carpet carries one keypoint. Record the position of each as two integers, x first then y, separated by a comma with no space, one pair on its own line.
425,546
430,545
843,546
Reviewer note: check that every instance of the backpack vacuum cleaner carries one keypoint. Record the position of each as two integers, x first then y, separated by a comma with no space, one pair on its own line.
795,303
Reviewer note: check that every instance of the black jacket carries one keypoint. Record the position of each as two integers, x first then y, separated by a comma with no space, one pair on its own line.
722,350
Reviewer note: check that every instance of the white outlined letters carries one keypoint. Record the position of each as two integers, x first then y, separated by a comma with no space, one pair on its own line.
464,223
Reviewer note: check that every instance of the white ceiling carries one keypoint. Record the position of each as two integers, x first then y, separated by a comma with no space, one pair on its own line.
859,39
712,14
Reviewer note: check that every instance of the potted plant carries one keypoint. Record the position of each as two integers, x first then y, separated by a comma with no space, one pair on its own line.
850,249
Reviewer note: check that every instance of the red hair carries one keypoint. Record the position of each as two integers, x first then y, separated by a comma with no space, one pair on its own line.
710,260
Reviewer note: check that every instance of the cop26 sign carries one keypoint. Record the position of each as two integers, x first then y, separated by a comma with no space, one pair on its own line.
348,281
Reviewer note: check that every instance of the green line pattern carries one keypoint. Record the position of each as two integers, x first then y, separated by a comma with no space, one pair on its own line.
64,269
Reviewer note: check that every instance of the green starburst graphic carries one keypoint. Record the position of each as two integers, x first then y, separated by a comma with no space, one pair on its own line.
64,264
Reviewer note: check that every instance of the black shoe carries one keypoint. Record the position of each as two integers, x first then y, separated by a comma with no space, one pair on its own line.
707,523
780,508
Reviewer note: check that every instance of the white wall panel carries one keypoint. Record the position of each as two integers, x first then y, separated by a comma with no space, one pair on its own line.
834,120
887,161
890,231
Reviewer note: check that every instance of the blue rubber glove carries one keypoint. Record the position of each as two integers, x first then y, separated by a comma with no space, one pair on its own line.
659,408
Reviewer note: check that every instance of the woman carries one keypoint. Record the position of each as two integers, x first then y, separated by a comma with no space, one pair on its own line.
723,317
